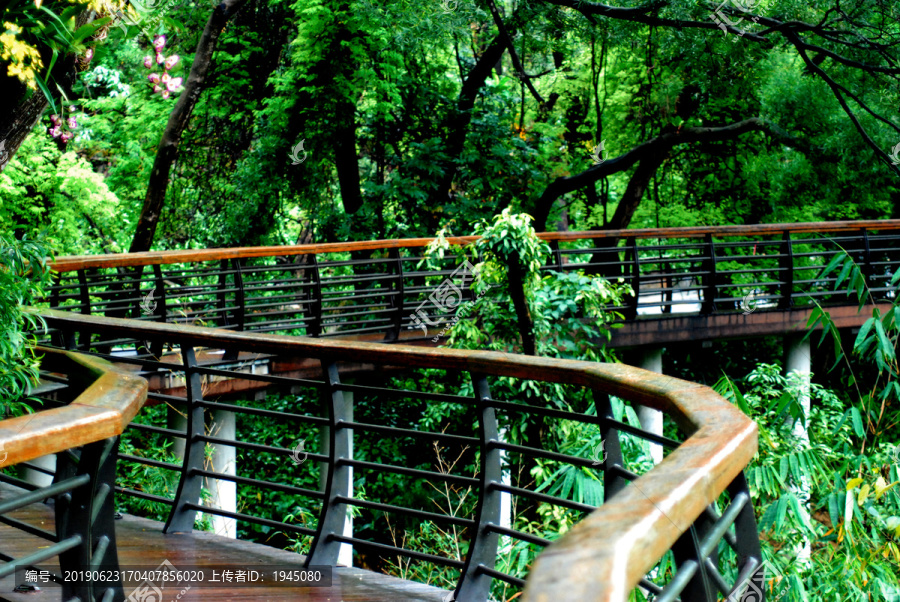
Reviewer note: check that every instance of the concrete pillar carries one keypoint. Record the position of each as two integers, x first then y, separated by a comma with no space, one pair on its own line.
651,420
345,556
36,477
798,359
222,493
506,479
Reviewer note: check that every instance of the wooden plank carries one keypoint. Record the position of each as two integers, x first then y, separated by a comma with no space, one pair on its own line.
141,543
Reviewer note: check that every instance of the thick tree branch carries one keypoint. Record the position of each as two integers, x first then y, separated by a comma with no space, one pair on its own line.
167,150
654,151
507,41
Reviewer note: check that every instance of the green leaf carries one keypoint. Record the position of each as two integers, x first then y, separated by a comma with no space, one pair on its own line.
857,422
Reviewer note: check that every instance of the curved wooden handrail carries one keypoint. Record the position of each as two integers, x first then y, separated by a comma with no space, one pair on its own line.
108,402
67,264
604,556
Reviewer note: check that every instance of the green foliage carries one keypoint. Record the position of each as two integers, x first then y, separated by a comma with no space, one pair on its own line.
24,274
851,521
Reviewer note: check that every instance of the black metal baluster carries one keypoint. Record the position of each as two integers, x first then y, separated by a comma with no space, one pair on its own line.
632,311
84,336
240,295
474,584
314,327
710,277
746,533
613,481
786,262
88,512
187,498
221,295
396,298
325,548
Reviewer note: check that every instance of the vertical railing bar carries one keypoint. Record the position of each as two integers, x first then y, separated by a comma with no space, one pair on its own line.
240,296
182,516
475,584
709,292
867,259
613,482
221,301
325,549
396,300
316,304
635,276
84,336
787,271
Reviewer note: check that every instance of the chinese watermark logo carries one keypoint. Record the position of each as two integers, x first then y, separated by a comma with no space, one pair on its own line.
148,590
299,451
595,154
895,156
148,304
598,462
4,155
448,6
446,299
753,588
748,303
894,454
724,22
298,149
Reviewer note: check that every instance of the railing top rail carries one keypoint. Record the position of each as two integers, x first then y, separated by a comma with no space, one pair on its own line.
619,542
109,401
66,264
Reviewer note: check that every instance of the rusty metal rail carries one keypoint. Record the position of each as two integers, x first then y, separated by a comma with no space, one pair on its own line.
682,530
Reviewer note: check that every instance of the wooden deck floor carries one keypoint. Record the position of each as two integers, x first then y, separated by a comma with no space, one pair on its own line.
141,543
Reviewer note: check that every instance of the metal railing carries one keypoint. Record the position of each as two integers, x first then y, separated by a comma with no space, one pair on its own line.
86,409
682,530
380,290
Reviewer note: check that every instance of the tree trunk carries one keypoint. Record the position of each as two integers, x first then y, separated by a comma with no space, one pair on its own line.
167,150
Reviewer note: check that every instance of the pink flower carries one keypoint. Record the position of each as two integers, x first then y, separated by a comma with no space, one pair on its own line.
173,84
72,123
159,42
153,77
165,77
55,131
157,89
66,137
160,59
148,62
88,55
171,61
165,94
54,119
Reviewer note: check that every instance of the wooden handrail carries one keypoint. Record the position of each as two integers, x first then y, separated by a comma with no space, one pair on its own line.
68,264
108,402
604,556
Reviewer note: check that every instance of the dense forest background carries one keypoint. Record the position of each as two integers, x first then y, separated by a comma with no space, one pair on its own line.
411,115
173,124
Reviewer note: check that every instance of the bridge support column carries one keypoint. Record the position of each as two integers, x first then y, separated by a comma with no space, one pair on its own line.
36,477
345,555
651,420
223,494
798,360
